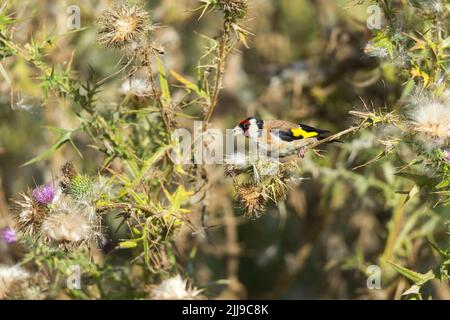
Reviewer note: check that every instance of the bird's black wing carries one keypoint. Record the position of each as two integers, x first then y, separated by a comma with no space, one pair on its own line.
302,132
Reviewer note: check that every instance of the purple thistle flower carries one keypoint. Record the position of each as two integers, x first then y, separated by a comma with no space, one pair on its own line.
9,235
447,154
44,194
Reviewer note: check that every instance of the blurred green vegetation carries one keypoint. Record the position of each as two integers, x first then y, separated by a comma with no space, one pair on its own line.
305,63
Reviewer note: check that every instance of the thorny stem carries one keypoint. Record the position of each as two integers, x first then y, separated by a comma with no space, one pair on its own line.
157,94
3,202
145,209
26,56
367,121
397,223
63,87
334,137
220,66
202,173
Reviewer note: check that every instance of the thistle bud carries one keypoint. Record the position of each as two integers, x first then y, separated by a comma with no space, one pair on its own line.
81,187
233,9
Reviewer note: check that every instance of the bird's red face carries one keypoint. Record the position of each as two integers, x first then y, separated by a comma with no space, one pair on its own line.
244,125
248,126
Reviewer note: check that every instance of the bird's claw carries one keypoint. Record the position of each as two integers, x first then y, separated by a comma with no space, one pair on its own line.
301,152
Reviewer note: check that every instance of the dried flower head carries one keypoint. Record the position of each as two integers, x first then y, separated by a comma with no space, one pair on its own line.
234,9
30,214
71,224
66,227
258,179
430,120
44,194
137,87
68,170
12,281
68,173
237,163
102,189
123,26
175,288
252,200
275,187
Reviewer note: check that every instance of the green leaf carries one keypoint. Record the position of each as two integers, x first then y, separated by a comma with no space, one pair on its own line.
415,190
5,75
189,85
146,241
129,244
148,164
65,136
414,290
136,231
163,80
418,179
409,86
444,254
443,184
417,278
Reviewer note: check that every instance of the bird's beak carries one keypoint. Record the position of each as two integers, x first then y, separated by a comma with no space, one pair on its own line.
237,131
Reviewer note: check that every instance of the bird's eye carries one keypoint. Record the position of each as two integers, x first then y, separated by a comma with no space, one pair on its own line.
246,125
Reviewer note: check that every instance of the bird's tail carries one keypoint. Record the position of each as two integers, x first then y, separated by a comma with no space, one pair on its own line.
321,134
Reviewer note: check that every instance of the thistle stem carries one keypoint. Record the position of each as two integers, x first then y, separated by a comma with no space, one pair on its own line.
220,66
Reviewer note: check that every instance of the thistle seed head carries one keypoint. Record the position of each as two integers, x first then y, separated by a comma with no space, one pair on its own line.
252,200
30,214
71,223
175,288
429,119
137,87
66,227
12,281
123,26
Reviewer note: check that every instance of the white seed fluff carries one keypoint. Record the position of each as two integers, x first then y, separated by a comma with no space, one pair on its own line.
10,278
430,119
67,227
174,288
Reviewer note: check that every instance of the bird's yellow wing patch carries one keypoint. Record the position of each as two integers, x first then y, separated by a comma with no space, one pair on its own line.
299,132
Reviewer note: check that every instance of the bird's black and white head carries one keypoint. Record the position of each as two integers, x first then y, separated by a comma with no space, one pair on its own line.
249,127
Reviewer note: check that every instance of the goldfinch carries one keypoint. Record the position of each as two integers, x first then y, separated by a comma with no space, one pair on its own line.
285,137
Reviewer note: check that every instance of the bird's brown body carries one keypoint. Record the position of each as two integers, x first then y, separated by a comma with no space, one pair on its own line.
271,142
280,137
